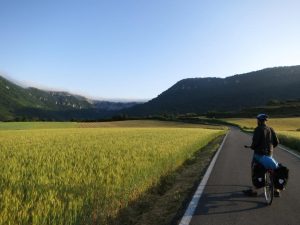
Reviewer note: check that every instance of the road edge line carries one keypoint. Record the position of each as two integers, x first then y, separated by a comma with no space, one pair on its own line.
289,151
282,147
187,217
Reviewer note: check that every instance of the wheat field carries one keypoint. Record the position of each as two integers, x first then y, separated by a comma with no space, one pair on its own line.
86,176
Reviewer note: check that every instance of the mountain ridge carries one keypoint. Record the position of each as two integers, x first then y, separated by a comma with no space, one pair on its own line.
233,93
190,95
30,103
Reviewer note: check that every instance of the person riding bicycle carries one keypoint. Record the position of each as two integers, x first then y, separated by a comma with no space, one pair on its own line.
263,142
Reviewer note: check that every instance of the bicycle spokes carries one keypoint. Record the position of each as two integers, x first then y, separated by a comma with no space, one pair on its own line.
269,188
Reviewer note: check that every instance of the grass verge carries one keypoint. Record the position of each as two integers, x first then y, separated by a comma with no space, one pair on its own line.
290,139
166,202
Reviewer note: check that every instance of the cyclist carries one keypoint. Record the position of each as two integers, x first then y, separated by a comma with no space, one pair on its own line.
263,141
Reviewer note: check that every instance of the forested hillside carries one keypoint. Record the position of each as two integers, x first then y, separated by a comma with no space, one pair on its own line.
18,103
234,93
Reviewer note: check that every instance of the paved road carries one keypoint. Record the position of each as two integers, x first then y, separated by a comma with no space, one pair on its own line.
222,201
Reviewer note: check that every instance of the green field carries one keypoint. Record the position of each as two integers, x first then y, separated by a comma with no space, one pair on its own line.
288,129
127,123
36,125
86,176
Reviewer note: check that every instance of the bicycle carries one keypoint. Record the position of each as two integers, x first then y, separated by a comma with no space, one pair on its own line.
269,184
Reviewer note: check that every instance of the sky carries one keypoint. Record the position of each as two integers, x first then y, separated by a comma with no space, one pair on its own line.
136,49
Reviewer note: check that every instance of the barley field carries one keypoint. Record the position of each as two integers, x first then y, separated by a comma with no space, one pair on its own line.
86,176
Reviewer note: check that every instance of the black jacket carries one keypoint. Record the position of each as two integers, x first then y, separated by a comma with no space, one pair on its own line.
264,140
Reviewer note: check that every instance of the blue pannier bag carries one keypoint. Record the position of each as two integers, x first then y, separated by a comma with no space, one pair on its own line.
281,176
258,175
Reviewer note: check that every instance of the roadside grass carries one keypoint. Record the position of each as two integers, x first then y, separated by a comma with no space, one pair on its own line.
88,176
290,139
166,202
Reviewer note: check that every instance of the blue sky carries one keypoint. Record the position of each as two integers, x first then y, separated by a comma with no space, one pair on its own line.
137,49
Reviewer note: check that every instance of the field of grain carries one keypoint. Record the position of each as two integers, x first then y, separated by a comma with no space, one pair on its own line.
279,124
36,125
143,123
86,176
288,129
126,123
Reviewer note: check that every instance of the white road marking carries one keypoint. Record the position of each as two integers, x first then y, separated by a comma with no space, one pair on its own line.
289,151
292,152
187,217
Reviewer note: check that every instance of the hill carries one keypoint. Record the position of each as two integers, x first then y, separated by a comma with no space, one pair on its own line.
113,106
234,93
288,108
18,103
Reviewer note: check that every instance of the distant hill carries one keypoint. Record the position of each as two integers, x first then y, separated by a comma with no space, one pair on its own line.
113,106
18,103
234,93
275,108
245,93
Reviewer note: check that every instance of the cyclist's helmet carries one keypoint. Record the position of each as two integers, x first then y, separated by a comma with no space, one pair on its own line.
262,117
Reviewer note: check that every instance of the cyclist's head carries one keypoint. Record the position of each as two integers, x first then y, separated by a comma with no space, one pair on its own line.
262,118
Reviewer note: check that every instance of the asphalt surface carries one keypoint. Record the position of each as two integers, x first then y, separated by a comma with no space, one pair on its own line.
223,202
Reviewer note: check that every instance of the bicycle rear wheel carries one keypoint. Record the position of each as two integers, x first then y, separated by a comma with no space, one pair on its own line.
269,188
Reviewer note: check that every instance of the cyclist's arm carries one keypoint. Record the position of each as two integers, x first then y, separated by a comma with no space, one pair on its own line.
275,140
256,139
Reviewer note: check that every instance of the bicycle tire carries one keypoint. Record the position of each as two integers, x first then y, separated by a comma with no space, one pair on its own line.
269,188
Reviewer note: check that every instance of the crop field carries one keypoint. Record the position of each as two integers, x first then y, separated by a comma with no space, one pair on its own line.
279,124
288,129
86,176
142,123
127,123
36,125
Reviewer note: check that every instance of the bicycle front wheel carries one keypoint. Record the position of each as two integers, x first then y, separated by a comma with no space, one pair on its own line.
269,188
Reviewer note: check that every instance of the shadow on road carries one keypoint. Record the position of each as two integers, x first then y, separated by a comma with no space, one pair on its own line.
227,201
